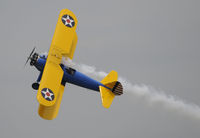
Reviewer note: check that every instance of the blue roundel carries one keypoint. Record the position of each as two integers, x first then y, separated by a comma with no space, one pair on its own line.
68,20
47,94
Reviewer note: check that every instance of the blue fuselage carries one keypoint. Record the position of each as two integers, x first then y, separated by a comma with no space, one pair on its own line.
71,76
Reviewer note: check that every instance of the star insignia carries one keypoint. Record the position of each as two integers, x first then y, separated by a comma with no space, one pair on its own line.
68,21
47,94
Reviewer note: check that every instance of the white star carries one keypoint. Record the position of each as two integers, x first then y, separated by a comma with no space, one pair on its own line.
68,21
47,94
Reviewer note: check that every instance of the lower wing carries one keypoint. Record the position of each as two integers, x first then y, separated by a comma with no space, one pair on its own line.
50,112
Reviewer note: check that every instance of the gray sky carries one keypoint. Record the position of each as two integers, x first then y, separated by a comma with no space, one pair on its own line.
148,42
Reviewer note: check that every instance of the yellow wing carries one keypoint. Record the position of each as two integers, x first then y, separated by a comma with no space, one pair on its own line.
51,79
74,42
65,33
50,112
63,44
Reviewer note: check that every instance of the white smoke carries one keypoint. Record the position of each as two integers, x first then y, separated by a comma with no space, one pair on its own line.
143,91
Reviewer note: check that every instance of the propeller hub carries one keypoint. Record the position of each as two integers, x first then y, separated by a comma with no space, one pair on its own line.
34,59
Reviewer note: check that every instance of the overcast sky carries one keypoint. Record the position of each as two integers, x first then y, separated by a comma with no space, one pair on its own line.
151,42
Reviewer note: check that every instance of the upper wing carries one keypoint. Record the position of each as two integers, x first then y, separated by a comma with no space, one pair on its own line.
73,46
62,45
65,37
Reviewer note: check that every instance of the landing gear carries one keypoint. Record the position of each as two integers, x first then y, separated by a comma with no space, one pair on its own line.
35,86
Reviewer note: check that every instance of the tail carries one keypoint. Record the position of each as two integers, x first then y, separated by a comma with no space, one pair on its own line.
115,88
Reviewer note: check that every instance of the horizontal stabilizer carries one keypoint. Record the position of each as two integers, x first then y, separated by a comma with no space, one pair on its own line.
106,96
114,87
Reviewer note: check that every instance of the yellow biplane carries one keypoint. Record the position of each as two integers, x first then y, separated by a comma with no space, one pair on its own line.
54,75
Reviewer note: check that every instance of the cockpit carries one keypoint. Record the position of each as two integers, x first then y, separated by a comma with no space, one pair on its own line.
43,55
69,70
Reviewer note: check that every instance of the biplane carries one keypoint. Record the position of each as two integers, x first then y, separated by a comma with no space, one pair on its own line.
54,75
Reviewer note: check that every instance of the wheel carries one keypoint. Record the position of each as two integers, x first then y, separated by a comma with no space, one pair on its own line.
35,86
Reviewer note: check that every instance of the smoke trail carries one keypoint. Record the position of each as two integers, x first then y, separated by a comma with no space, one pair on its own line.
145,92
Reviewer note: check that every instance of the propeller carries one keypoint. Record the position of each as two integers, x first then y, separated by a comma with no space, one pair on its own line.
29,56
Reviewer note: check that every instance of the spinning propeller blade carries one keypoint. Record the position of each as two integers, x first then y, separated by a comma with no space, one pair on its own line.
29,56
